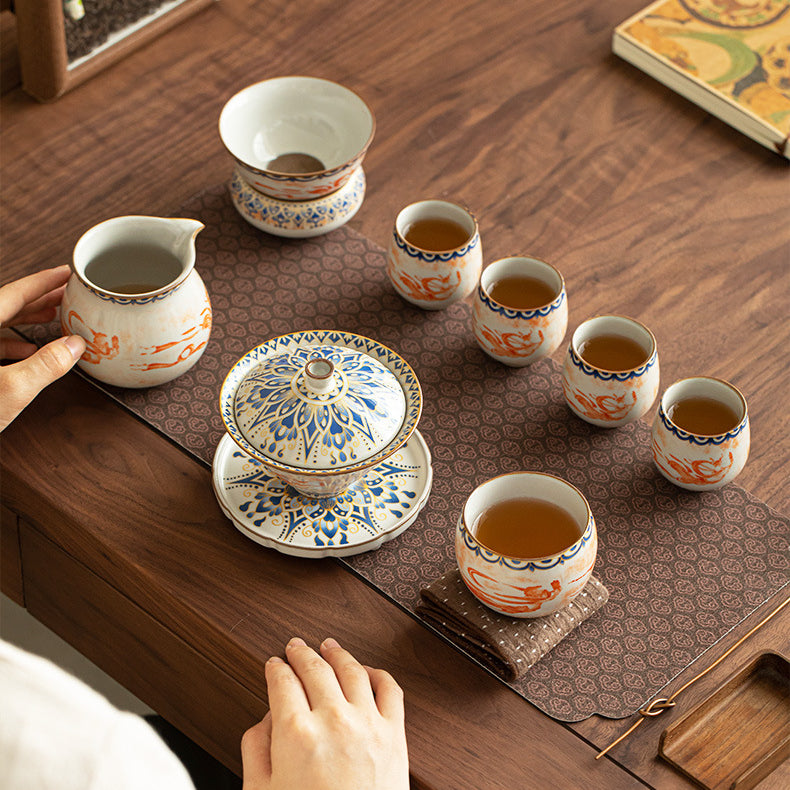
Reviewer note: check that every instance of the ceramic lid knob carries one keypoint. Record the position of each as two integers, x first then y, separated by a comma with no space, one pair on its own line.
318,374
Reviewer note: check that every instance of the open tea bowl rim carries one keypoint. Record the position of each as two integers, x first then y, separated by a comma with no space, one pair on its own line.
517,580
519,336
322,337
135,227
699,462
604,373
519,312
295,186
610,398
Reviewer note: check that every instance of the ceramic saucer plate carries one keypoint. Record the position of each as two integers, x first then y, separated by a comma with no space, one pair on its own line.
375,509
298,218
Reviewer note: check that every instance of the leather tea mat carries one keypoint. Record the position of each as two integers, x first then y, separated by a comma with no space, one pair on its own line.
682,568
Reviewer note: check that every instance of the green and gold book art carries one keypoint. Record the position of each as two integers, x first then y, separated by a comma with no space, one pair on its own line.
730,57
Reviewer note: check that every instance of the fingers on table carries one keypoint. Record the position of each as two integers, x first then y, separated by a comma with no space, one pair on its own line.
389,695
317,677
351,675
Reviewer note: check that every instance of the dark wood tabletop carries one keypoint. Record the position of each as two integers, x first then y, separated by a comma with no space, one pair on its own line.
649,206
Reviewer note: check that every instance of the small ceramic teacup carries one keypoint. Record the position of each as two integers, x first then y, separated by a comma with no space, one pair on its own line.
435,255
520,310
610,373
526,587
701,433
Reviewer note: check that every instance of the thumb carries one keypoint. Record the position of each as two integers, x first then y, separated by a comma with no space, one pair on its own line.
256,755
21,381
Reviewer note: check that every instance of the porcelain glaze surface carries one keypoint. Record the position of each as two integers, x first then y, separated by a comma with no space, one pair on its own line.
329,457
607,398
357,415
696,462
298,219
525,588
518,337
434,280
376,508
146,339
303,115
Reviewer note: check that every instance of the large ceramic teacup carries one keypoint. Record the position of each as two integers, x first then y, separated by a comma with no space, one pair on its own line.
296,138
526,586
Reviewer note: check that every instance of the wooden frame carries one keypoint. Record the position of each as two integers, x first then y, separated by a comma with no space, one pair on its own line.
41,40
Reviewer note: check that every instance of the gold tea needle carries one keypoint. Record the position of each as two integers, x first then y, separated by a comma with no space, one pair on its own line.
659,705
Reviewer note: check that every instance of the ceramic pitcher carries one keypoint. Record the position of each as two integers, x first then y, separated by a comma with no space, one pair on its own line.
137,300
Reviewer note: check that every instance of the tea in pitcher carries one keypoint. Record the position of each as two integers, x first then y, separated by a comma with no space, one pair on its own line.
133,268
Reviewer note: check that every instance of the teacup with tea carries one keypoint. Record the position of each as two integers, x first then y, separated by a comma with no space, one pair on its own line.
526,543
610,373
435,254
520,311
701,435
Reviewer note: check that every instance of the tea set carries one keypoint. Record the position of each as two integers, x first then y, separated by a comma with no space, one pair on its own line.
321,454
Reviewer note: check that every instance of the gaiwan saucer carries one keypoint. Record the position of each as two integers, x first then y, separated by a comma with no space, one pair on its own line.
298,218
375,509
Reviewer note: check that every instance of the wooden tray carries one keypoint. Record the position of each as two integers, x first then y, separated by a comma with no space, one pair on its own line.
739,734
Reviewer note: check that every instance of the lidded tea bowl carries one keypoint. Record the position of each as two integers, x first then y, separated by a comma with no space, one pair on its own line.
320,408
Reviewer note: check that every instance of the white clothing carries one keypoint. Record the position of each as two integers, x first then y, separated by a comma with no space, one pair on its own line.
56,733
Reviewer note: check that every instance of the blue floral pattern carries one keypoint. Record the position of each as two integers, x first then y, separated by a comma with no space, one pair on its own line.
279,414
378,506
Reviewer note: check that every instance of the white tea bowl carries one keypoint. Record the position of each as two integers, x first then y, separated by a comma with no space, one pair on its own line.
303,116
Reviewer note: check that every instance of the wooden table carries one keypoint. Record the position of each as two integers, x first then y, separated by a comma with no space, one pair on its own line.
650,208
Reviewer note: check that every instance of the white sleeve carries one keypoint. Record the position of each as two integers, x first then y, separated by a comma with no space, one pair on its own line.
56,733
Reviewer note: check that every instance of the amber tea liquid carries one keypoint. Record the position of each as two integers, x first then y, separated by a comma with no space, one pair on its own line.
521,292
703,416
133,269
527,528
436,234
613,352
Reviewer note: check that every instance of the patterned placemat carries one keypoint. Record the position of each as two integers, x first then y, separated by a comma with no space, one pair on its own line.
682,569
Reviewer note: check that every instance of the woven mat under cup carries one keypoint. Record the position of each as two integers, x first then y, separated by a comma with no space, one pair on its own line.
507,645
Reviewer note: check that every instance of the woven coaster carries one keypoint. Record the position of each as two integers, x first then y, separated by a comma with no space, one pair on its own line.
508,646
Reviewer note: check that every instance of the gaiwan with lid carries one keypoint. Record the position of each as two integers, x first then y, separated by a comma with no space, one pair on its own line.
320,408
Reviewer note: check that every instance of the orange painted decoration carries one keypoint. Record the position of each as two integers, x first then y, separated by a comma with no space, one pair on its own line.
705,471
427,289
602,407
511,344
98,347
522,599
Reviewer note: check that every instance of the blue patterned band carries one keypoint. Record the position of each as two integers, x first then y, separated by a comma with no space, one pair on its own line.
512,312
526,565
435,256
609,375
691,438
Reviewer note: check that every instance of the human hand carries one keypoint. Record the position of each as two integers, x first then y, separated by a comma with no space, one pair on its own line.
332,725
32,300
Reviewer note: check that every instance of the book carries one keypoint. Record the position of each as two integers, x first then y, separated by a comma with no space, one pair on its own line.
730,57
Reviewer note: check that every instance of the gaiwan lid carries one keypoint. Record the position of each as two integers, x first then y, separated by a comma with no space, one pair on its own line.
319,407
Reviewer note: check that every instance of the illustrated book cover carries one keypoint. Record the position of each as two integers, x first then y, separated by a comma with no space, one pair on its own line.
730,57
